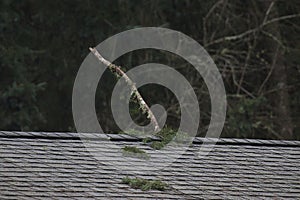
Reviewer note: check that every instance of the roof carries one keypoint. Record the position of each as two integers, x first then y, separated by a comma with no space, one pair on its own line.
58,165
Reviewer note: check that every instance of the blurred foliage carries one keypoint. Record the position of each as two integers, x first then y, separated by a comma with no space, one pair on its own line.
42,44
246,117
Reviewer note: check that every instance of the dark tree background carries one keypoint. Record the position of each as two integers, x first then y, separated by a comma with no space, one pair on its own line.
255,44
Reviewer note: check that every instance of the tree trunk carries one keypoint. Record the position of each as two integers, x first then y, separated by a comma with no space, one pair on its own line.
279,78
281,101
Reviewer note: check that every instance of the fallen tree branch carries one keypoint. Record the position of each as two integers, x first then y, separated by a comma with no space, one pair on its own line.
116,70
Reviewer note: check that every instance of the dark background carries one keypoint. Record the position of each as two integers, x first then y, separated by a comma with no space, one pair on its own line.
255,44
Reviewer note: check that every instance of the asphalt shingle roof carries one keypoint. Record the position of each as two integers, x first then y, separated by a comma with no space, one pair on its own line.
58,166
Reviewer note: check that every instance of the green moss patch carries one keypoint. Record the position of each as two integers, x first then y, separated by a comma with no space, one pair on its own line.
167,135
132,151
144,184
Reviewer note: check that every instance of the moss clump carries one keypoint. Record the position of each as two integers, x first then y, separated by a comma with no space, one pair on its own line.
133,149
147,140
157,145
144,184
135,152
167,135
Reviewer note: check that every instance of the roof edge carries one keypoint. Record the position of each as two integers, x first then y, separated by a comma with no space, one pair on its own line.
132,138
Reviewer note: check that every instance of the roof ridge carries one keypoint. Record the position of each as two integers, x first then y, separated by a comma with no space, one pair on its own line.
134,138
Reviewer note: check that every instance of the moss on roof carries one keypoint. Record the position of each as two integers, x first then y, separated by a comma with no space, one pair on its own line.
144,184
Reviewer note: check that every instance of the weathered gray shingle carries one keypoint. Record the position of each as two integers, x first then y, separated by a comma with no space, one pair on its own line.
58,166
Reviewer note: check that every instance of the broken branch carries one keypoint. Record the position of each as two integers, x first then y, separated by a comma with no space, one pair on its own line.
116,70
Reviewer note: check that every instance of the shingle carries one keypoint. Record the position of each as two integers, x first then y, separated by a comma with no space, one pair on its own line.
59,166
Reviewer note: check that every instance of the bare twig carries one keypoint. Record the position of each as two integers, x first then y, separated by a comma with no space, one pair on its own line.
211,10
233,37
250,31
281,18
238,85
119,72
268,11
273,37
244,68
270,72
278,89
